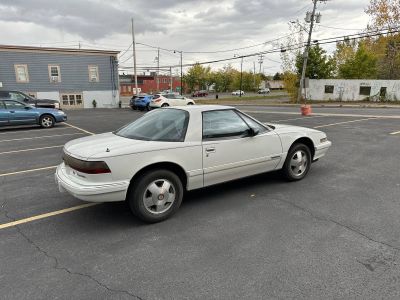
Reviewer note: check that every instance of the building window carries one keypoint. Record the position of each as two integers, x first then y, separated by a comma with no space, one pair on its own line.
365,90
21,73
382,92
54,73
129,88
71,100
329,89
93,73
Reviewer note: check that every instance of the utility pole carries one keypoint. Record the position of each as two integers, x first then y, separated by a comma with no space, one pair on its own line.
158,70
309,19
170,79
241,76
260,61
134,57
254,74
181,74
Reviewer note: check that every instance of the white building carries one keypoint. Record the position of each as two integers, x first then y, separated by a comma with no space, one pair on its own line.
353,89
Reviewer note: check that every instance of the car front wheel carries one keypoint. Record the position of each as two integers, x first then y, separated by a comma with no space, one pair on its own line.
47,121
298,162
156,196
165,105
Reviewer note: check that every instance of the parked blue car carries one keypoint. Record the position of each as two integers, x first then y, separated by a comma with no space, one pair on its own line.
141,102
13,112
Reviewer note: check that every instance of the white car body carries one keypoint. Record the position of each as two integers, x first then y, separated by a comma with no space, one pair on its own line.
203,162
170,100
237,93
264,91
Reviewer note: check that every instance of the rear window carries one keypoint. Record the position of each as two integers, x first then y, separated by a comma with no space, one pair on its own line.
163,125
156,96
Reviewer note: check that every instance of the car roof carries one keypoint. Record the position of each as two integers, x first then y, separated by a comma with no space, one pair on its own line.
201,108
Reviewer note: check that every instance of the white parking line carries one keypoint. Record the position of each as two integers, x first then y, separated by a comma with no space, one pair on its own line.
46,215
31,149
40,137
323,114
393,133
34,130
339,123
27,171
81,129
301,118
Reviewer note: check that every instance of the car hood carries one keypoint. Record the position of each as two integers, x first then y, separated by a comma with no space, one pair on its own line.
46,100
109,145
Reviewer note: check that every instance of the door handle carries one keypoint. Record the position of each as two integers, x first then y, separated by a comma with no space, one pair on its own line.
210,149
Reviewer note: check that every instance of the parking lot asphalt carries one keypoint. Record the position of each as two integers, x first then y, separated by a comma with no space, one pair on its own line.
333,235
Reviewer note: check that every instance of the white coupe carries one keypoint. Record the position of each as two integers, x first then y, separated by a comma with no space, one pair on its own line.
151,162
165,100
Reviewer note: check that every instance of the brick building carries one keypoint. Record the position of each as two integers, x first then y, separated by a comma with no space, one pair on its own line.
147,84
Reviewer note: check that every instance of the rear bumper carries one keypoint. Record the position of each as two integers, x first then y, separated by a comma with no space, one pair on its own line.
92,192
321,149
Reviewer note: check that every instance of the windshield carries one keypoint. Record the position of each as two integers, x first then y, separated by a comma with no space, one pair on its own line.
166,125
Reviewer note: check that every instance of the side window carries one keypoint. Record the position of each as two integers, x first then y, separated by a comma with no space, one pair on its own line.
222,123
21,73
17,96
93,73
14,105
253,124
2,106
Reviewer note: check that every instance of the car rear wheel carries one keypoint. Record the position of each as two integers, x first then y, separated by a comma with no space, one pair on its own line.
190,103
148,108
156,196
47,121
165,105
298,162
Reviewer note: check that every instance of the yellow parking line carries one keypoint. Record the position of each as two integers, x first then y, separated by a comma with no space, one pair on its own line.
40,137
339,123
46,215
76,127
396,132
27,171
31,149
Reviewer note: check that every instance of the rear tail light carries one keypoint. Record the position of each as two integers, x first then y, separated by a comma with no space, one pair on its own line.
157,100
84,166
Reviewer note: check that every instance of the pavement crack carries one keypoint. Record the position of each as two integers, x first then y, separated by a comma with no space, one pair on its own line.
354,230
57,265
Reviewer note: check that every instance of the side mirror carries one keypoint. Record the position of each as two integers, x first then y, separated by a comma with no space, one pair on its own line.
252,132
26,100
28,107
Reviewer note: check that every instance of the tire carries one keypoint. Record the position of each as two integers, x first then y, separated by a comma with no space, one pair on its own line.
148,107
190,103
134,107
47,121
297,163
142,201
165,105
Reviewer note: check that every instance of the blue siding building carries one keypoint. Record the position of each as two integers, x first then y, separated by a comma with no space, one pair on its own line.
76,77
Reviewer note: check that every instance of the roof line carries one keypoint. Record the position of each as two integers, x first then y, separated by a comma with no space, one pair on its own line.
51,49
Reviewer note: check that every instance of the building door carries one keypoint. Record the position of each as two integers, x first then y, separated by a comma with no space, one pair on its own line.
71,101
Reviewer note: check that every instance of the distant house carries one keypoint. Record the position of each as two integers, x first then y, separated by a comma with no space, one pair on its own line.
76,77
147,83
353,89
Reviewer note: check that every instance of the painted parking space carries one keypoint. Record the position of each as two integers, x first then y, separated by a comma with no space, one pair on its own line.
345,212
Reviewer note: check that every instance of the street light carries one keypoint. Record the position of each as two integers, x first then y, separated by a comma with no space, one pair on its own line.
181,68
241,73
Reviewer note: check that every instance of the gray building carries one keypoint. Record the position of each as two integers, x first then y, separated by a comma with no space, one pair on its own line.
76,77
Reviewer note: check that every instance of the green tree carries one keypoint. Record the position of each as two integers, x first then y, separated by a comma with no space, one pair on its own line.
277,76
361,65
319,65
197,77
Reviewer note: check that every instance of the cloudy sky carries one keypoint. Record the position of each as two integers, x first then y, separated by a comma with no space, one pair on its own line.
184,25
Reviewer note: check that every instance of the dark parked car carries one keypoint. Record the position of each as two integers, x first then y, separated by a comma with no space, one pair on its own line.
20,96
200,94
18,113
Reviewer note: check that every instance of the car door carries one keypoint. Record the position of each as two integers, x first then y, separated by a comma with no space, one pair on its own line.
229,149
4,114
180,100
20,113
